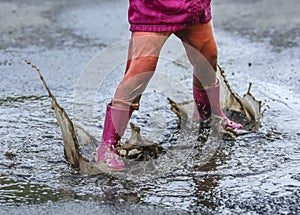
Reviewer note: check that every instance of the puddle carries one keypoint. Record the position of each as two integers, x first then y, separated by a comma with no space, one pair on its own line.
256,173
13,192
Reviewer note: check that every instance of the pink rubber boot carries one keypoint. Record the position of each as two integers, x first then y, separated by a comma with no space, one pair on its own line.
115,123
208,101
202,110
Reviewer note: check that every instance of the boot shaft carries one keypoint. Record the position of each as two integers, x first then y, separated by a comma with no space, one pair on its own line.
115,123
202,108
208,101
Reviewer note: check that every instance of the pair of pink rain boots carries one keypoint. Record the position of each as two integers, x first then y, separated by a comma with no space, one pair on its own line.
116,120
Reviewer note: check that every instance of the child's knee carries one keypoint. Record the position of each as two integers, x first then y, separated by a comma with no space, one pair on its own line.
210,52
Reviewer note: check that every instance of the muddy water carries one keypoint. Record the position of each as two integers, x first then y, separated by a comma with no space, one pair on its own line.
257,173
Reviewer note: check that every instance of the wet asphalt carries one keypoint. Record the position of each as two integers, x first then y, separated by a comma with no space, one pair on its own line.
258,43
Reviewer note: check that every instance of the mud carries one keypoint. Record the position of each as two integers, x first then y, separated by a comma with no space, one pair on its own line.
257,173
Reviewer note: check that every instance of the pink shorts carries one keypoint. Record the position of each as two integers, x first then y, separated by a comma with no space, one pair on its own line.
167,15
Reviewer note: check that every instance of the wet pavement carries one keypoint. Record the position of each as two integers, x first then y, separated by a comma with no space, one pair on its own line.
258,173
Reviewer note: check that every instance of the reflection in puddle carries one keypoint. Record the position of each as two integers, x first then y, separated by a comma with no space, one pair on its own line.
13,192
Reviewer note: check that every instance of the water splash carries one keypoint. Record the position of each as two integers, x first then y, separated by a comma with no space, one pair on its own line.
79,144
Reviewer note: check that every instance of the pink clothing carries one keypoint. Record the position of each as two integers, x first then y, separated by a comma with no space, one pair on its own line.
167,15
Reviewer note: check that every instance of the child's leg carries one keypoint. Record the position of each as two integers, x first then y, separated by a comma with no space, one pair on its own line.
201,48
144,49
202,51
143,55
